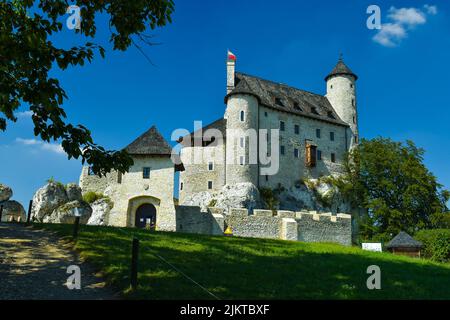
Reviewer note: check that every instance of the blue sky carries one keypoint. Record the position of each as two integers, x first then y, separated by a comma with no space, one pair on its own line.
403,86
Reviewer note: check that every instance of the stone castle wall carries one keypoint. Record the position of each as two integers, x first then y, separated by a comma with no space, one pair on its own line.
308,226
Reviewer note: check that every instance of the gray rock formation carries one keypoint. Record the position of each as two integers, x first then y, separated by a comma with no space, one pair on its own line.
73,192
100,212
47,199
13,211
240,195
5,193
67,212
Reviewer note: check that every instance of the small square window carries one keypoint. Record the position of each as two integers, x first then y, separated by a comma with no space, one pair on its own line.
318,133
281,125
282,150
319,155
210,166
296,129
296,153
210,185
146,173
332,136
333,157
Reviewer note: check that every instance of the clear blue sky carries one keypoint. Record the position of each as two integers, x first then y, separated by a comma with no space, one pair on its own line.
403,87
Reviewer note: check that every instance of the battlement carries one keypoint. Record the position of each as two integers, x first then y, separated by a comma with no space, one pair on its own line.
309,226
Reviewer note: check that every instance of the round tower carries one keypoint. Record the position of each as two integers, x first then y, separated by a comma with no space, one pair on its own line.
241,139
341,92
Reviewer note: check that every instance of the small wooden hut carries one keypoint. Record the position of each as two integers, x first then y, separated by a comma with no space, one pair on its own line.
404,244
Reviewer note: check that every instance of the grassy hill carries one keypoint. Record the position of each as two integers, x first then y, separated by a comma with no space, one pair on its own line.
243,268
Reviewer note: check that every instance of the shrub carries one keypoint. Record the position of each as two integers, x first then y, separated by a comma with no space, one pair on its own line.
91,197
52,180
212,203
436,244
269,197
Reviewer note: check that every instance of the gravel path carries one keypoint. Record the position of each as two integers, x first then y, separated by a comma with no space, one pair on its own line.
33,265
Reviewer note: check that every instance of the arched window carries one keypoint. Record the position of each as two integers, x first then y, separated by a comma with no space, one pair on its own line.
242,115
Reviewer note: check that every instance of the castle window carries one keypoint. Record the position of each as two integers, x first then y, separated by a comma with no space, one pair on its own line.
281,125
356,139
296,153
318,133
332,136
242,115
210,166
146,173
267,177
331,86
333,157
354,119
210,185
90,171
296,129
242,142
351,85
319,155
331,115
265,114
282,150
119,177
353,102
311,153
181,186
242,160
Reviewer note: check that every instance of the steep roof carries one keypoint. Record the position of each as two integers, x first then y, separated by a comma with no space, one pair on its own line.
341,69
285,98
150,142
404,240
219,124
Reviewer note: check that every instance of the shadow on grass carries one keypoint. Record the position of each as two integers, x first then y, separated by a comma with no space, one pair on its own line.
244,268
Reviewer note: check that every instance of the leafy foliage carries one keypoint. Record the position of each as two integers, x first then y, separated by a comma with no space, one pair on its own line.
27,56
90,197
436,244
390,180
269,197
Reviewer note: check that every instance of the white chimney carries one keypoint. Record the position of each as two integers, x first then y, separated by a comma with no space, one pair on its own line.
231,66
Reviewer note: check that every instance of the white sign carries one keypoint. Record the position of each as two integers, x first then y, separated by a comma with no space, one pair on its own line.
372,247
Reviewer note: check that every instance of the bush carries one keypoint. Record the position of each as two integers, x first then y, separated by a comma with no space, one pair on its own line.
90,197
436,244
268,196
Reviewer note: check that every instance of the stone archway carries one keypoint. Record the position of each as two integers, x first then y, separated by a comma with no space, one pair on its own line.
145,216
145,206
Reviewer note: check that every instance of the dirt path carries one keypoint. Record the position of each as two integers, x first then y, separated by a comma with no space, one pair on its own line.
33,265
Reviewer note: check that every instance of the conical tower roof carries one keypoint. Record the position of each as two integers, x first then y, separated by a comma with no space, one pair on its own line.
341,69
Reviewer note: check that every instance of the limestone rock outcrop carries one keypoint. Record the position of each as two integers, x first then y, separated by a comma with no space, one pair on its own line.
5,193
240,195
67,212
47,199
73,192
13,211
100,212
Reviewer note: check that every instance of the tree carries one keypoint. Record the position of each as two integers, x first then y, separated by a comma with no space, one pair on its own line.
27,55
390,180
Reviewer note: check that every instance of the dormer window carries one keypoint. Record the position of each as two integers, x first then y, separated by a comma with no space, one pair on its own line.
297,106
331,115
279,102
314,110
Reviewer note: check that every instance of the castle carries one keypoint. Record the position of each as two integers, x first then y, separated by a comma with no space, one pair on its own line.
266,125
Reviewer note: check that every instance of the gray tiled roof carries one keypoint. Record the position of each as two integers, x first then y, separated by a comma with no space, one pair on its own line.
404,240
149,143
285,98
341,68
219,124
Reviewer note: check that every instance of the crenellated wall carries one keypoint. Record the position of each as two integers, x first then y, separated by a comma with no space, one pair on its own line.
308,226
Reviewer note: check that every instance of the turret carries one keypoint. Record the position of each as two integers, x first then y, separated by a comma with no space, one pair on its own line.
341,92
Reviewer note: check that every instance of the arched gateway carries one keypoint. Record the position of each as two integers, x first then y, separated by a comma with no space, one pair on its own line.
145,215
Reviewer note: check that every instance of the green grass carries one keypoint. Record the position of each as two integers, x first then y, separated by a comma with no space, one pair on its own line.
243,268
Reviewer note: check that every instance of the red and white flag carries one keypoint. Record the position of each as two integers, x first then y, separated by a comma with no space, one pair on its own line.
231,56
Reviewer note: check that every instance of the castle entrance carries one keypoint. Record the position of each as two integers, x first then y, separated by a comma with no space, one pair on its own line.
145,216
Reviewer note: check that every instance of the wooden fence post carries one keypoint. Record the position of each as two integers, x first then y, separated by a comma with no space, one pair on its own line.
76,225
134,263
29,211
1,213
